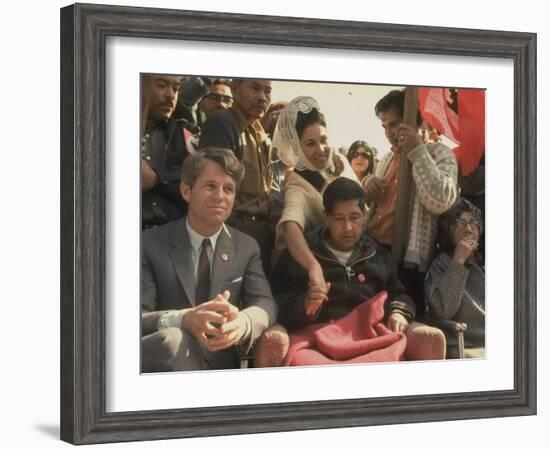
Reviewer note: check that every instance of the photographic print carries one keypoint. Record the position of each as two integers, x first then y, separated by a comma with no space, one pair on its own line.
365,205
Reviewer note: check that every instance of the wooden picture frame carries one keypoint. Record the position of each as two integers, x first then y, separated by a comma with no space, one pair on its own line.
84,29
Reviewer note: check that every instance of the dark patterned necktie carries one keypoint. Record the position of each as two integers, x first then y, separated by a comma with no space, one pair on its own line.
203,273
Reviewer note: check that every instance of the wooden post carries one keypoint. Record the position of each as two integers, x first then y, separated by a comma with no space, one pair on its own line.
402,209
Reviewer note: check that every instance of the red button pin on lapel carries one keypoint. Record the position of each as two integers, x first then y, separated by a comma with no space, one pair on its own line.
361,277
224,257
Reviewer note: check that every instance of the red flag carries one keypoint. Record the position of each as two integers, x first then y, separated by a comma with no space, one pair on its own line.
471,107
437,111
467,128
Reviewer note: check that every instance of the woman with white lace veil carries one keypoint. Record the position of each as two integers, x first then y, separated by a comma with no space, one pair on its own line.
302,142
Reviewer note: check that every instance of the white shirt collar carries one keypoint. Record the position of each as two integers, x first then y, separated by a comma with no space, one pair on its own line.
342,256
196,238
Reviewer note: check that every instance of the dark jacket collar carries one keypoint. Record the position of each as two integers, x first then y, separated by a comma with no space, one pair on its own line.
317,242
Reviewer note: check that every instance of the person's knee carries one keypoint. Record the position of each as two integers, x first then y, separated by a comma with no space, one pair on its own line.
271,347
170,343
160,349
425,343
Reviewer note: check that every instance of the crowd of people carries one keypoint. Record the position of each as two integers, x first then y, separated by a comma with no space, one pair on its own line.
260,238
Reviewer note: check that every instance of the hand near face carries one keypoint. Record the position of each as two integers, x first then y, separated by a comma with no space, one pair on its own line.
374,188
269,120
408,137
464,250
397,322
316,295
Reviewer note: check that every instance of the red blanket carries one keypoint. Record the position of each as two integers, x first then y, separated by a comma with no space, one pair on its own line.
359,337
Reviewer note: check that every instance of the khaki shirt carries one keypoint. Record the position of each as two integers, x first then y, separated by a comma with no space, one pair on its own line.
253,194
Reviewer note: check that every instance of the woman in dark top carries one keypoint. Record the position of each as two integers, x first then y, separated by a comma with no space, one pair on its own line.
361,158
455,285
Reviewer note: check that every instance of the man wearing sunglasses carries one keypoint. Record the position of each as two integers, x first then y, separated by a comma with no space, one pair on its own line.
218,97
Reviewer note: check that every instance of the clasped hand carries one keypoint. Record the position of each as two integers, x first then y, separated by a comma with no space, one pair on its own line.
409,138
148,176
397,322
374,188
316,295
216,324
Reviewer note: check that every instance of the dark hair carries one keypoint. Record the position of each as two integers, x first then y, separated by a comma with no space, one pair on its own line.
448,219
223,81
343,189
303,120
395,99
352,151
193,164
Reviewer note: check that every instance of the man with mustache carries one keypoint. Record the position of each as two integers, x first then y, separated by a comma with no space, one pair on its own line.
163,150
239,129
219,97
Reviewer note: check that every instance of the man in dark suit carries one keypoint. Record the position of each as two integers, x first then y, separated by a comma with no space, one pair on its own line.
239,129
204,296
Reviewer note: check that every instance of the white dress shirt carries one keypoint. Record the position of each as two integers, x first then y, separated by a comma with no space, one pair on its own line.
173,318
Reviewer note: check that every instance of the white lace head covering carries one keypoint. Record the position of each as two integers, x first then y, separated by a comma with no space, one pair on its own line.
285,137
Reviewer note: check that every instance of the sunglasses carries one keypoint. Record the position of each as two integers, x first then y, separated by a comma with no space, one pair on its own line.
221,98
362,154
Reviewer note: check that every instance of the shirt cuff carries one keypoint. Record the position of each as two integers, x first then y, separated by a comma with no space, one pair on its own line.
172,318
248,329
407,315
244,340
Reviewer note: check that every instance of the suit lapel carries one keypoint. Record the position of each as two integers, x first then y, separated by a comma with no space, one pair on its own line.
181,256
223,257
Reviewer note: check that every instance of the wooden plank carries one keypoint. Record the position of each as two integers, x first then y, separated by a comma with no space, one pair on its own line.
403,208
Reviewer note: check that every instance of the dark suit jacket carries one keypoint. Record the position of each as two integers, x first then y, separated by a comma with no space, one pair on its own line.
167,278
222,130
165,151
